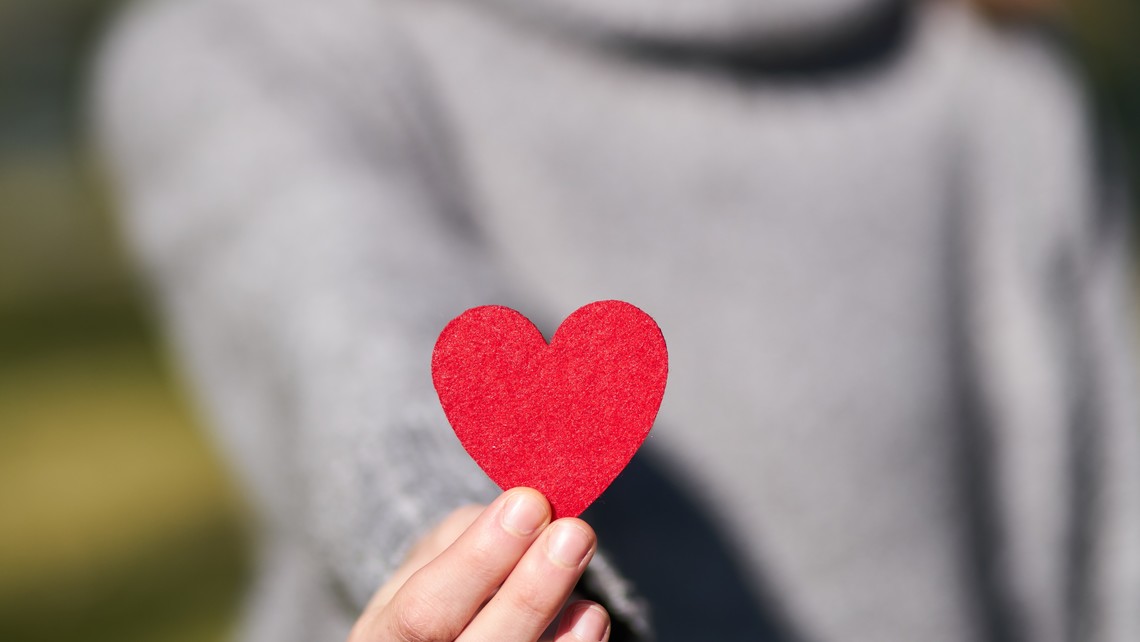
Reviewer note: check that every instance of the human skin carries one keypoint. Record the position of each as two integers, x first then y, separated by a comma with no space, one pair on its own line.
499,573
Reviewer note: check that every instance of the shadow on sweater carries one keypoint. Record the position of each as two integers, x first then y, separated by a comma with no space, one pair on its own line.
661,538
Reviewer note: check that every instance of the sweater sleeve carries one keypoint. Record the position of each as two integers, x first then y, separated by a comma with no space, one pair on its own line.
1113,555
289,187
1053,330
284,184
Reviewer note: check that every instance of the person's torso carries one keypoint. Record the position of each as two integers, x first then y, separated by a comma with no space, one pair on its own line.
790,233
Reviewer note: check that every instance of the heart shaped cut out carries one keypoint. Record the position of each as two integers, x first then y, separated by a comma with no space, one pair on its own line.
563,418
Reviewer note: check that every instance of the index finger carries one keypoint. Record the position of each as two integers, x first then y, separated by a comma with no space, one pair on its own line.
438,601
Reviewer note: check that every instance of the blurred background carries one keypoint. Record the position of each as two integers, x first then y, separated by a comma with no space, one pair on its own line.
117,521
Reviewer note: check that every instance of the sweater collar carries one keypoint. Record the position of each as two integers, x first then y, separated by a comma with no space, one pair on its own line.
770,27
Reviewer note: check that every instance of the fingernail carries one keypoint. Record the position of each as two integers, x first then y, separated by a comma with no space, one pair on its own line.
523,514
593,625
568,545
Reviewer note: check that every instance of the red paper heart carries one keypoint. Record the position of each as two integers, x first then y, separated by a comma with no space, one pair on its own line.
563,418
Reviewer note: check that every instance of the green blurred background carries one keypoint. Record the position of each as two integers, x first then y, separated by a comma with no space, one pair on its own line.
117,521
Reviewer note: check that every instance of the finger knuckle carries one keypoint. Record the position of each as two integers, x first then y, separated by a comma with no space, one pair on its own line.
484,561
532,604
420,621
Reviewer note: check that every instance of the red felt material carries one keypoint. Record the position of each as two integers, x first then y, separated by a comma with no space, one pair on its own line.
563,418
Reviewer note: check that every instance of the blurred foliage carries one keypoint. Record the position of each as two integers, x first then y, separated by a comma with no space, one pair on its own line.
1106,35
118,522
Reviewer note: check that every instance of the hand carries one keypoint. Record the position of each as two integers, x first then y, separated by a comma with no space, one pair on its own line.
495,574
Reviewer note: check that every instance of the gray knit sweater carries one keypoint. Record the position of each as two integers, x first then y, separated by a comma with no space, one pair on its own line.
876,234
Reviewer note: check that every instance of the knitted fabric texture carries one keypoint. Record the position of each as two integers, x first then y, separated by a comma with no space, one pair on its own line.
901,400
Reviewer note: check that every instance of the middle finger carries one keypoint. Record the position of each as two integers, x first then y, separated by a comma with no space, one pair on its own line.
538,587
